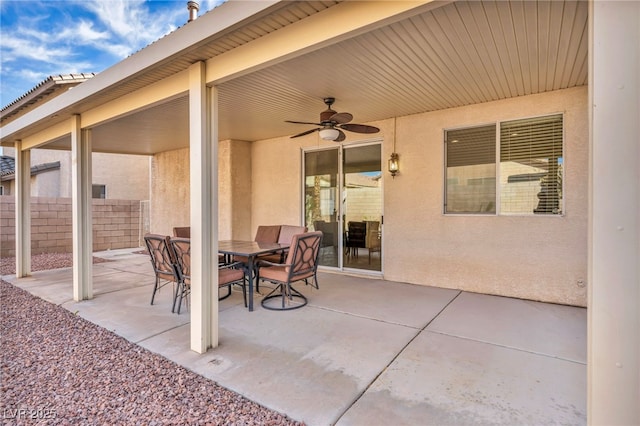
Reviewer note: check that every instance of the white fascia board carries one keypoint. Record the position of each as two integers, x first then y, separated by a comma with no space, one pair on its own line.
217,20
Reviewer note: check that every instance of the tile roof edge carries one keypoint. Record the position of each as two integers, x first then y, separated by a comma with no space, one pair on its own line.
52,80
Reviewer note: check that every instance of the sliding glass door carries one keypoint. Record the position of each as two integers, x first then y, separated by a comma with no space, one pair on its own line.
343,199
321,201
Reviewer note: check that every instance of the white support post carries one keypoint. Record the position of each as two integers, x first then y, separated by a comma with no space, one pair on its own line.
203,145
23,211
614,214
81,211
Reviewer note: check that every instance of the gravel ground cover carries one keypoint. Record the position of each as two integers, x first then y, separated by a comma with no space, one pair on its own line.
58,368
42,262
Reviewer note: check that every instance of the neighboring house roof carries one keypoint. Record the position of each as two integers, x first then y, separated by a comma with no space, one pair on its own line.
8,168
7,165
51,87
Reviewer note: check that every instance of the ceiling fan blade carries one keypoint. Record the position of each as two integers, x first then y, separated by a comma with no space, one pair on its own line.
341,117
340,137
305,133
359,128
302,122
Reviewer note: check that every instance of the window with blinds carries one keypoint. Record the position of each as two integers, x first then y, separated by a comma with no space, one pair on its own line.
531,165
471,170
527,179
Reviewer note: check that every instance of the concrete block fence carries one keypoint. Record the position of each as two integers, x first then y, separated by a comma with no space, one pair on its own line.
116,224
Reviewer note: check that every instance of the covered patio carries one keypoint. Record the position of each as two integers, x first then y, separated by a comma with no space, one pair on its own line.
403,354
209,103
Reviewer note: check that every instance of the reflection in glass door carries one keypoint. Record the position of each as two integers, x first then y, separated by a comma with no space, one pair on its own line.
344,201
362,207
320,201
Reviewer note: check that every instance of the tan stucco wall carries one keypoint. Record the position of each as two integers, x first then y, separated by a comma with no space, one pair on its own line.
46,184
234,190
169,203
125,176
276,182
531,257
170,191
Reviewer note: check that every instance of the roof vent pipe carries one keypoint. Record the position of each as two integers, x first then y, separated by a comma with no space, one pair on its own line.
193,10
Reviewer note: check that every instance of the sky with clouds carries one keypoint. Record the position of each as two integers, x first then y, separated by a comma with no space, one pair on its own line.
39,39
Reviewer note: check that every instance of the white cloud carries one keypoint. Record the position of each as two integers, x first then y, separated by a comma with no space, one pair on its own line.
118,27
131,23
33,75
70,36
84,33
15,48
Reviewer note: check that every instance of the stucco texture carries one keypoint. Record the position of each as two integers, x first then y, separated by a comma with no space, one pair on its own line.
169,191
533,257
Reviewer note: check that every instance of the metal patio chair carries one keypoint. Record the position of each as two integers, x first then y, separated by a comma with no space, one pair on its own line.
227,274
163,262
301,265
182,231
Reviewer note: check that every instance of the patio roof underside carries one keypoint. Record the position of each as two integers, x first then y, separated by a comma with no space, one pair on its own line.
433,57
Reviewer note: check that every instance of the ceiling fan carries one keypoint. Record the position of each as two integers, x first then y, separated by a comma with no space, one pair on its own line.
332,123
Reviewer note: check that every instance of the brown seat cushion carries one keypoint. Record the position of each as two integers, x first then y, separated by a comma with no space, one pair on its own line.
182,232
286,235
229,275
288,231
267,234
280,273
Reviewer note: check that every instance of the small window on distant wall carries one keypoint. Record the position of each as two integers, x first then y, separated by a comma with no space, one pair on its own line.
99,191
529,175
1,190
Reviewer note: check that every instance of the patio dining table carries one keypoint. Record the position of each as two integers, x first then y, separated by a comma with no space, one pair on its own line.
251,250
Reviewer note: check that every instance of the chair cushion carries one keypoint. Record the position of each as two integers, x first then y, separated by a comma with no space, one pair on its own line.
229,275
286,235
302,257
288,231
182,231
280,273
267,234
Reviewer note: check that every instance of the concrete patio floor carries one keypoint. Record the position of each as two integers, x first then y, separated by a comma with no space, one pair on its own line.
363,351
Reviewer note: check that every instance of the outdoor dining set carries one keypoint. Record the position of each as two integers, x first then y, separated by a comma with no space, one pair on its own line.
279,254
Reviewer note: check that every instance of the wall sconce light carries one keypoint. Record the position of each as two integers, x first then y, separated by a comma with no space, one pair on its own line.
394,166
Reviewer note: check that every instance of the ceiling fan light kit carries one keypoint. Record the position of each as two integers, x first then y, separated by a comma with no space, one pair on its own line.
330,134
333,123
